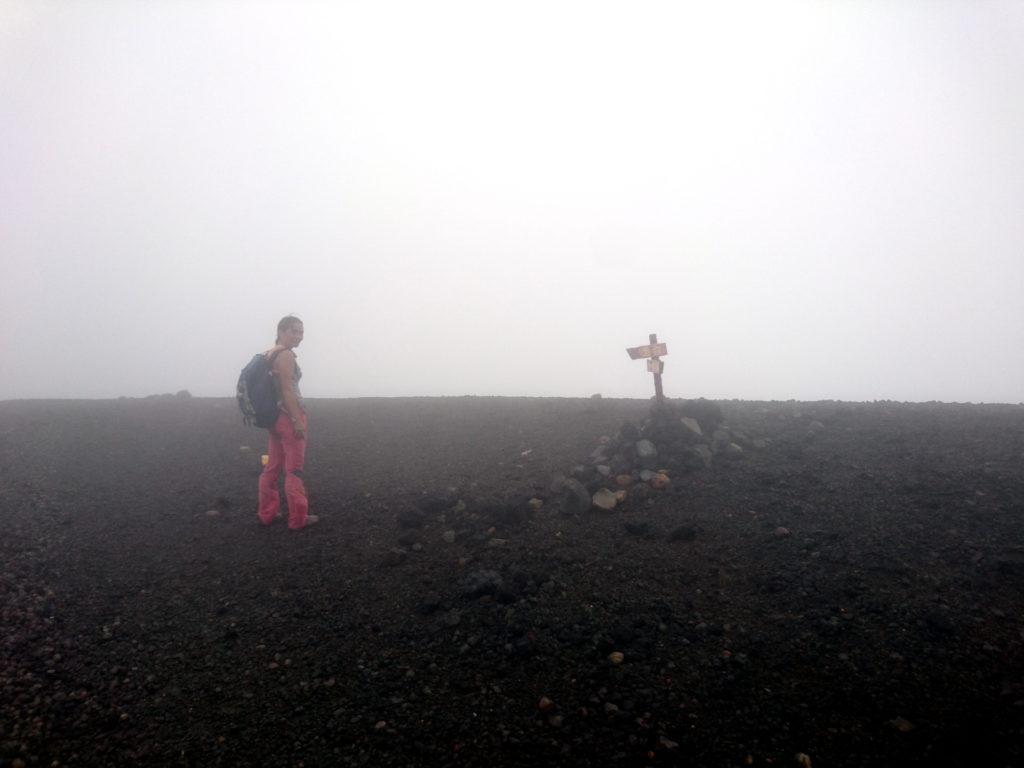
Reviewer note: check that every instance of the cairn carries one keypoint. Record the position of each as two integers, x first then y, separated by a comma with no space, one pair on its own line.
675,438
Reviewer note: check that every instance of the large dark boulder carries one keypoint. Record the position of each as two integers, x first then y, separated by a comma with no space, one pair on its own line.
707,413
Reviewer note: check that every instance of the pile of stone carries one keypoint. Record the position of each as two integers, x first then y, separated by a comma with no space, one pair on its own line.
675,438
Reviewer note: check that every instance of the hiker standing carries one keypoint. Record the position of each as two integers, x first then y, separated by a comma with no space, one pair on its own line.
288,434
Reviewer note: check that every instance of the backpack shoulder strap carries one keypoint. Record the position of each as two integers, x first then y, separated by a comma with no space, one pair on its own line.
273,355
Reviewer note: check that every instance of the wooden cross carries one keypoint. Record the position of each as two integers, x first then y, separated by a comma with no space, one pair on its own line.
655,365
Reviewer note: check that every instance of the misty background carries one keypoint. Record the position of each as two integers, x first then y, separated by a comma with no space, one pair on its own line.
808,200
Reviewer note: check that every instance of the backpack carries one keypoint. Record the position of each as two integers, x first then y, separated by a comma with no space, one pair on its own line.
257,392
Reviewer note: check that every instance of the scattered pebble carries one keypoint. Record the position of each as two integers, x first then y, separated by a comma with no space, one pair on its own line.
660,481
395,556
604,499
901,724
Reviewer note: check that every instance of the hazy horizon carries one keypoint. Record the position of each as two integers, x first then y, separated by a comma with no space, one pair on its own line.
804,200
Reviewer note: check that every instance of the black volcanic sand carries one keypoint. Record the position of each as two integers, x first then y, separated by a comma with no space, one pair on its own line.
148,620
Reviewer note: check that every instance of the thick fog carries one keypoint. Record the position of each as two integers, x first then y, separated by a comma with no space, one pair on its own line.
803,200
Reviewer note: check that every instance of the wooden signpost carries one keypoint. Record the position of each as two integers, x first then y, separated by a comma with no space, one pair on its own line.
653,352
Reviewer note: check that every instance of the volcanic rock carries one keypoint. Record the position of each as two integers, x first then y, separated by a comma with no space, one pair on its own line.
707,413
698,456
438,501
411,518
576,498
692,425
604,499
482,582
647,453
732,451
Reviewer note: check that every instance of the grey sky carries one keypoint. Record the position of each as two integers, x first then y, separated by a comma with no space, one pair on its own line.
804,200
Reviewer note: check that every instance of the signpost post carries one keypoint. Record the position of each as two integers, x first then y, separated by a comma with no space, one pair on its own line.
655,365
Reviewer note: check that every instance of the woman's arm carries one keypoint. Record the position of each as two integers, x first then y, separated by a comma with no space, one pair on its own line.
284,365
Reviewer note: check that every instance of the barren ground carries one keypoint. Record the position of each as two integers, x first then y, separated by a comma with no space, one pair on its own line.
149,620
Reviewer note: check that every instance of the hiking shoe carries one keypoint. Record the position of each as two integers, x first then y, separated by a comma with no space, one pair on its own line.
310,520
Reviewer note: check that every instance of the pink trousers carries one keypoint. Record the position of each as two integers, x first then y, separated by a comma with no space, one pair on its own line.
288,451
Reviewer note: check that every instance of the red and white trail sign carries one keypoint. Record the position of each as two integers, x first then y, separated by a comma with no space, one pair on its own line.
655,365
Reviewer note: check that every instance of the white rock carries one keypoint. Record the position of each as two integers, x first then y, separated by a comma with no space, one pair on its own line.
605,499
732,451
645,449
692,424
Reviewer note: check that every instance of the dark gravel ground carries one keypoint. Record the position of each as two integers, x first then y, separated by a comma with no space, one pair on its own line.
148,620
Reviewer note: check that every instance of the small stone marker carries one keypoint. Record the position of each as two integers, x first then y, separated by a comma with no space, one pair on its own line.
653,351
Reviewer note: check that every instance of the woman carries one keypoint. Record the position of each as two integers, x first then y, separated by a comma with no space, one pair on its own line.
288,435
